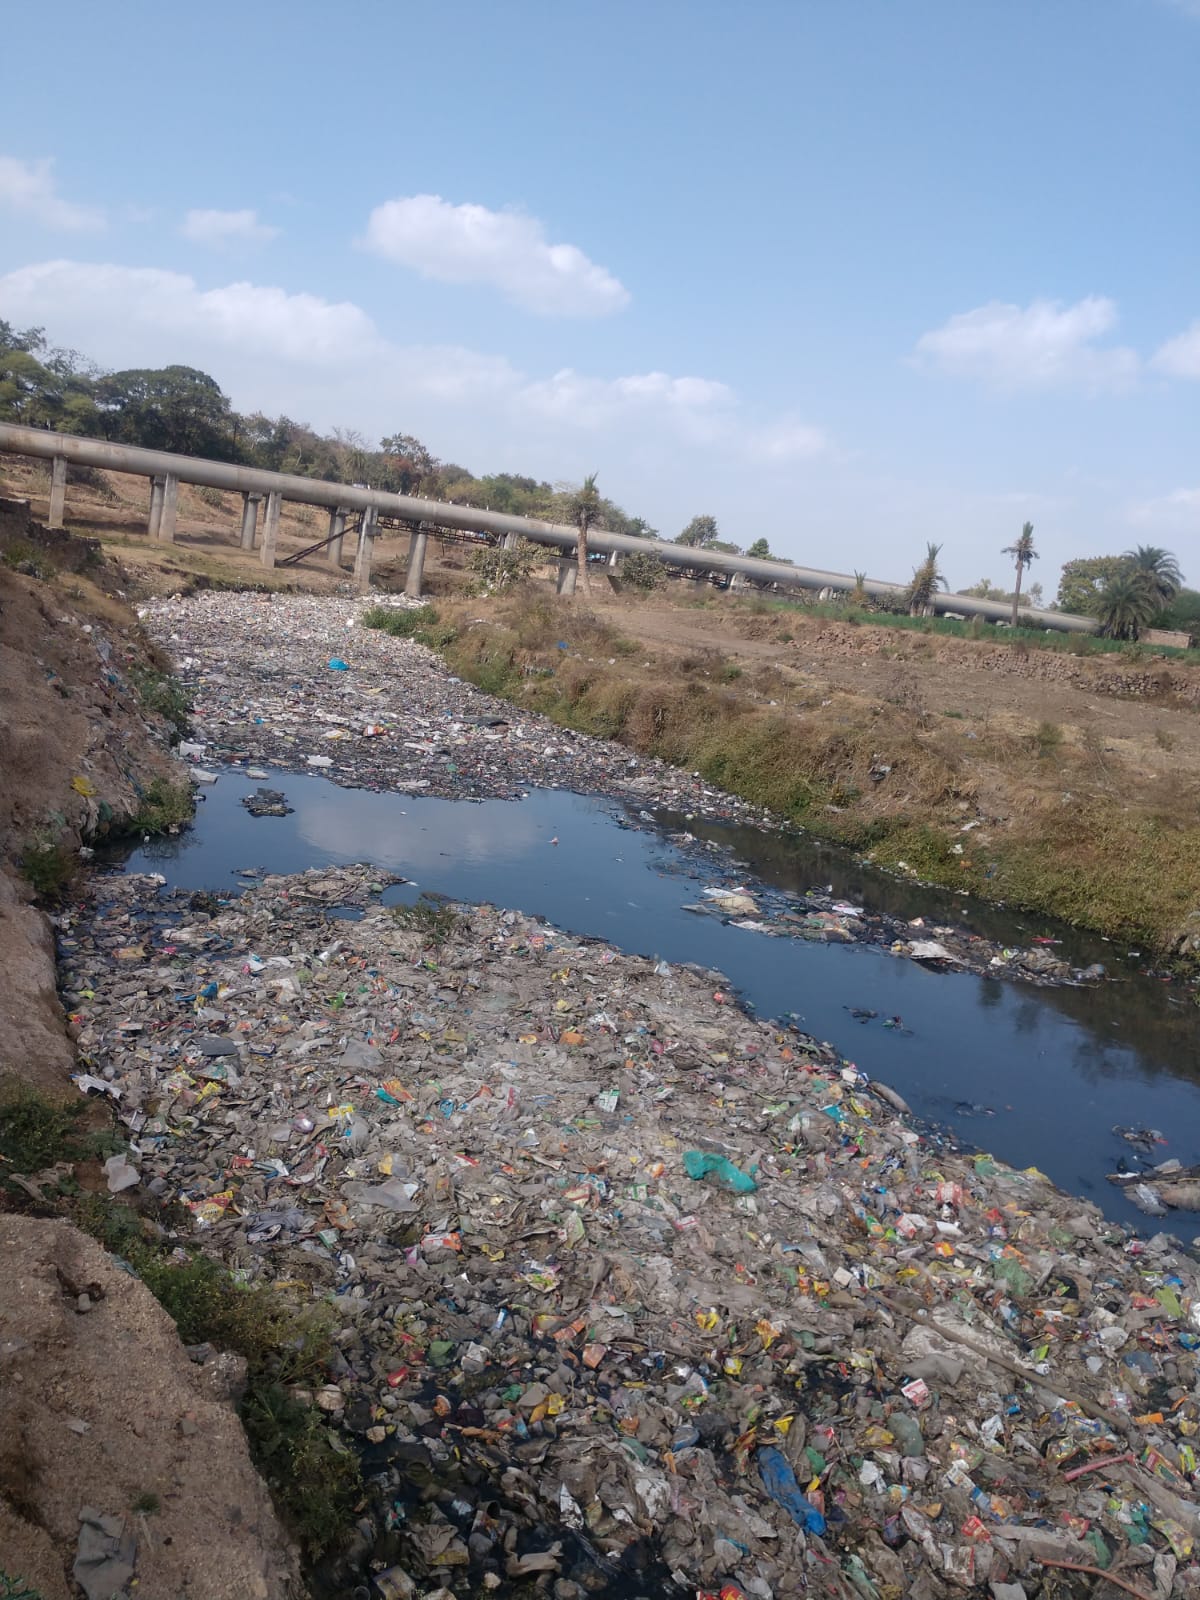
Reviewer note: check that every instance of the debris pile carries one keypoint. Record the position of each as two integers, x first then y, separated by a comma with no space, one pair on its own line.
636,1294
293,681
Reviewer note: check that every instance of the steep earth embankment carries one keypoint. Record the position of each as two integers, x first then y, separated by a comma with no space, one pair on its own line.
111,1441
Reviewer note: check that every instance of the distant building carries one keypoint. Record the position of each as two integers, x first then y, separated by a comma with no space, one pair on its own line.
1165,636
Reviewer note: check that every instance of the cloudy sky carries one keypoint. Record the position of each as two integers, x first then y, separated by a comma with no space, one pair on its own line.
851,276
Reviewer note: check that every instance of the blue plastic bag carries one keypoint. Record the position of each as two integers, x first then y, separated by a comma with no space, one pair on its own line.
780,1483
336,664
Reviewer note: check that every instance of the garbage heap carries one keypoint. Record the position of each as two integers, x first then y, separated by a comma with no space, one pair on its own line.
294,681
636,1294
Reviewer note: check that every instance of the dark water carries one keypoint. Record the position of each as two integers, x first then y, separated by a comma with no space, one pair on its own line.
1049,1071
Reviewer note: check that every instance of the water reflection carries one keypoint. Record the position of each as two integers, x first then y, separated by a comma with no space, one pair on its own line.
1039,1076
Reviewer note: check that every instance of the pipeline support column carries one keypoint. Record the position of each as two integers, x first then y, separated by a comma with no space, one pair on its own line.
58,492
366,548
270,529
154,521
415,575
568,575
337,529
250,503
170,508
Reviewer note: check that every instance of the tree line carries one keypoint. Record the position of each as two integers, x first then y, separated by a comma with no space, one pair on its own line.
1127,594
185,411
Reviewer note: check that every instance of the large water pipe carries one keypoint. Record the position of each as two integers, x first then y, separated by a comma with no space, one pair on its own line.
199,470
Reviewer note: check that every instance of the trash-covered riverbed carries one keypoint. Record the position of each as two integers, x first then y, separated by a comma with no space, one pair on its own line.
638,1295
1007,1065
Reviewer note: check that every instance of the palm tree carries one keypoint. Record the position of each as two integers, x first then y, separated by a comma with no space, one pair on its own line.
1024,555
926,581
585,507
1161,567
1127,604
858,595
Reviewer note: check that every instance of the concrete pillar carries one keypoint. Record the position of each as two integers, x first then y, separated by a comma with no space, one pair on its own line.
415,575
58,492
614,559
270,529
568,574
337,528
170,508
366,548
249,519
509,542
156,500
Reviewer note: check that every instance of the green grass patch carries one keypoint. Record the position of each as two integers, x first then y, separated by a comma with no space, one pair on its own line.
49,868
421,623
163,806
36,1132
164,695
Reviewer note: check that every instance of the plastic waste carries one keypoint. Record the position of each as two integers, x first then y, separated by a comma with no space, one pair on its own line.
701,1164
780,1483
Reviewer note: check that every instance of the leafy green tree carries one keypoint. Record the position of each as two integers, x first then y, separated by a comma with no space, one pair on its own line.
1183,614
585,507
169,408
1128,604
926,581
1023,555
1160,566
760,550
407,463
700,533
1083,581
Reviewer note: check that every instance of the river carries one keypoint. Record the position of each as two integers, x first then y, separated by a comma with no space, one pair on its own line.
1038,1076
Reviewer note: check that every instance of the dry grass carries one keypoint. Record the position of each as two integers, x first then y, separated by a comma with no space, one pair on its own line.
1068,829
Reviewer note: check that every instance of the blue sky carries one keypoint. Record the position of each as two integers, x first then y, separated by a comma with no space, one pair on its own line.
851,276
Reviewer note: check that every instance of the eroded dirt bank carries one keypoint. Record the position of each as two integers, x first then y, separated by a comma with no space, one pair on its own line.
119,1458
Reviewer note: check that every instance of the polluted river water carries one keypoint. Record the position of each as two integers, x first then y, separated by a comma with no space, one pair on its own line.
1037,1075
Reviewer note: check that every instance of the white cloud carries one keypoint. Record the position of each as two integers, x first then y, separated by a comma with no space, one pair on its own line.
328,363
470,244
1178,511
580,401
29,187
1180,356
1042,345
223,230
788,440
112,310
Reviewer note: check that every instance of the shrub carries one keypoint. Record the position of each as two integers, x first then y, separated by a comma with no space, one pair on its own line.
163,806
498,568
210,496
48,867
435,922
643,572
164,695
